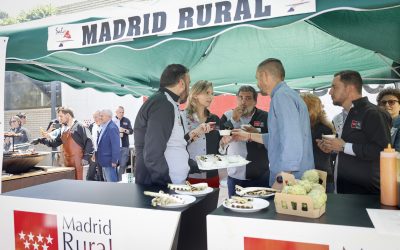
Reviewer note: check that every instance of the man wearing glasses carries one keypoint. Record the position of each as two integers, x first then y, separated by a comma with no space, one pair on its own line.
364,135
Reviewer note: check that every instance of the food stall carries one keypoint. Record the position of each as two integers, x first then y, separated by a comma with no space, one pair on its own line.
345,225
78,214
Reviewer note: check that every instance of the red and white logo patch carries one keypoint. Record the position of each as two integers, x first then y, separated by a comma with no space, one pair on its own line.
35,231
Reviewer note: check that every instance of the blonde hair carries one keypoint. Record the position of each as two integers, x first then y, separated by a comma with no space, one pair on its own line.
317,113
199,87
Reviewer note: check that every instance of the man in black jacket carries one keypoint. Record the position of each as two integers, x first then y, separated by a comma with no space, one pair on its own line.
125,129
250,119
161,155
364,135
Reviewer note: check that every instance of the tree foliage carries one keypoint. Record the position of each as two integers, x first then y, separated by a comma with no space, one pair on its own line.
34,14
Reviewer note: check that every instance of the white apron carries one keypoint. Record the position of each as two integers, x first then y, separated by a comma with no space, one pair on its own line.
176,154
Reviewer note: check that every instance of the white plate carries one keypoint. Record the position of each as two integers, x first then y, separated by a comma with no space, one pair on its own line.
196,193
211,164
258,204
187,198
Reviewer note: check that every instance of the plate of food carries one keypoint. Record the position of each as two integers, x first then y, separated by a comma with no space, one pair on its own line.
245,204
225,132
197,190
255,192
164,200
214,161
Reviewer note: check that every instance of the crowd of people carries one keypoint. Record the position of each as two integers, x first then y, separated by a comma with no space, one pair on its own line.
288,138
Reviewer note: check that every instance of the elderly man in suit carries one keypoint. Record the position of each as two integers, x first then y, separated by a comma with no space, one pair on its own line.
108,152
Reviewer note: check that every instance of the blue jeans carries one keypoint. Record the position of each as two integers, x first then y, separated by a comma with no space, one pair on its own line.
123,161
110,174
263,181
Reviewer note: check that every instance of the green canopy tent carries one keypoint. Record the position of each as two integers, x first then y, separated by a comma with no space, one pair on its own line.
343,34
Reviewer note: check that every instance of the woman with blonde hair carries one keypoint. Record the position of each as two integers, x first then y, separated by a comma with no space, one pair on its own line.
320,126
200,126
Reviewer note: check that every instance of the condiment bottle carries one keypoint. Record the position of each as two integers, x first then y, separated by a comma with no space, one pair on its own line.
388,171
398,180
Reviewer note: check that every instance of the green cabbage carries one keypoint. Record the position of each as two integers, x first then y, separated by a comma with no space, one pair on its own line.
306,184
318,187
311,175
295,189
318,197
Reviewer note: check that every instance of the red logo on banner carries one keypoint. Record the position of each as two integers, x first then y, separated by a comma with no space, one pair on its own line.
35,231
267,244
67,34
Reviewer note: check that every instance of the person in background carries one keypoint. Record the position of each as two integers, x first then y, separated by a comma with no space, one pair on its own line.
161,154
199,124
288,140
16,128
251,120
108,147
22,116
125,129
75,138
364,135
95,172
320,126
389,99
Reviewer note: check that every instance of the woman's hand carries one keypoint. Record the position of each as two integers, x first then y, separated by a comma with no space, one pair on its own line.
201,129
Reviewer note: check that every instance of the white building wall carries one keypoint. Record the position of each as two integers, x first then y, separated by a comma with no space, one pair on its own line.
84,102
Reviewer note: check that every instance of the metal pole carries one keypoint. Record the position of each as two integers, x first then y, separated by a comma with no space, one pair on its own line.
53,96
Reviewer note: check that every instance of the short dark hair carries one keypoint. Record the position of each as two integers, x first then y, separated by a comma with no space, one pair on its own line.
351,77
65,111
172,74
388,91
21,115
273,66
248,88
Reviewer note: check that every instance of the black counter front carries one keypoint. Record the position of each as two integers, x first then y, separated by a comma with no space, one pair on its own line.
192,225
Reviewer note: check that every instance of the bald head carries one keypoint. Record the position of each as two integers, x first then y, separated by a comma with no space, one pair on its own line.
273,67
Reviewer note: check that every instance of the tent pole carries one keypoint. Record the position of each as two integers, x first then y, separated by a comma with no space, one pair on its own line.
390,66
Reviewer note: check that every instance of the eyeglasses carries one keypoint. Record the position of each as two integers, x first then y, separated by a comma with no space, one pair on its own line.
13,121
390,102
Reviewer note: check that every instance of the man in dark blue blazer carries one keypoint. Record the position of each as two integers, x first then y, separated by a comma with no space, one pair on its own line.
108,147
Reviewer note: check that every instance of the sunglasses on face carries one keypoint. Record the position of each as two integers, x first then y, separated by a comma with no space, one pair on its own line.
390,102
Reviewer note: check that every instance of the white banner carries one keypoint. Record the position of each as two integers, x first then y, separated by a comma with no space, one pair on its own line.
28,223
167,17
3,48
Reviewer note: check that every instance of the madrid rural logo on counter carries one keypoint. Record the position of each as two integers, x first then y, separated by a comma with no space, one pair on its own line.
39,231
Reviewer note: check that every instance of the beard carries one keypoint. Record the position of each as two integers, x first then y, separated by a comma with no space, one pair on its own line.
184,96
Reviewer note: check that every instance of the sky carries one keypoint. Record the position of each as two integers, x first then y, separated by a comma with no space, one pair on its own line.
14,7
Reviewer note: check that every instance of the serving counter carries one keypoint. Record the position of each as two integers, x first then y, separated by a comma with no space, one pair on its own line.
345,225
102,215
42,175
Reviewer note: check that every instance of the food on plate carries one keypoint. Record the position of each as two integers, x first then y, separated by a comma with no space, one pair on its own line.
225,132
188,187
254,191
311,175
163,199
239,202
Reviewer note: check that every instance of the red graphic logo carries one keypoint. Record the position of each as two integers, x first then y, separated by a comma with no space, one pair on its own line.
67,34
257,123
268,244
35,231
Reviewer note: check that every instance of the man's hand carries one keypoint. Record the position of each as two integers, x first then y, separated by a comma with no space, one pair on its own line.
225,140
240,135
237,113
202,129
37,141
327,145
114,165
250,129
122,130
